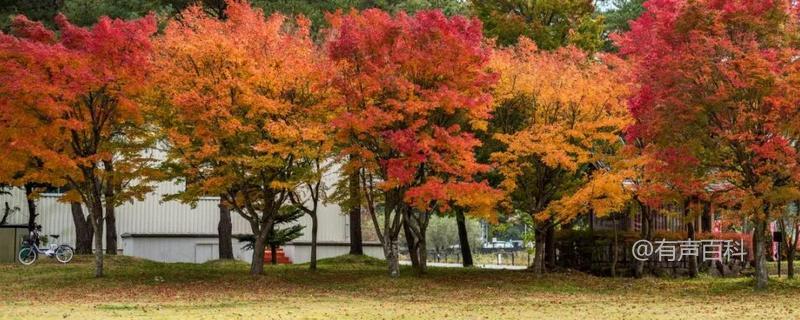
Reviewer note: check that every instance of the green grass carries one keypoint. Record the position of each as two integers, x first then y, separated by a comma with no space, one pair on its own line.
358,288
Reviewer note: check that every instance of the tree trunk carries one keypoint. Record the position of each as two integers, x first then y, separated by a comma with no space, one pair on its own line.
422,254
224,230
770,247
420,247
760,255
692,258
790,262
110,219
97,222
644,232
257,265
356,241
411,242
83,229
111,230
314,228
31,206
550,248
463,239
614,251
538,256
392,257
707,219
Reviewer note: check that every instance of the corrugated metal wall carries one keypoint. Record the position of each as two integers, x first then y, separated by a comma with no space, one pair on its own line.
154,216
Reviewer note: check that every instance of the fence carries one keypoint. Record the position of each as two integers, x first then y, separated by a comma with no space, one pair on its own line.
499,257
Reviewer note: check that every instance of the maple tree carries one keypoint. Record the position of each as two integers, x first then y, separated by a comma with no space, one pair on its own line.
555,159
69,104
716,80
410,86
245,106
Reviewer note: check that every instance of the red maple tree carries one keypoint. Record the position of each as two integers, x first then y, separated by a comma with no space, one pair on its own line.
412,88
717,95
69,103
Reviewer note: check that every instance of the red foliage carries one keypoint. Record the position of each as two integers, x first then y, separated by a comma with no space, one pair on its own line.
65,97
716,100
412,86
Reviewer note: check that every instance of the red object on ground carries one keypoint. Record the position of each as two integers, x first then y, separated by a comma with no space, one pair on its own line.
281,257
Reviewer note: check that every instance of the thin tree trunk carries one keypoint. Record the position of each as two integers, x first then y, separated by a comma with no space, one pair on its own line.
463,239
392,257
94,200
790,263
224,230
273,250
314,228
356,241
31,206
644,232
692,258
110,219
789,242
760,254
614,251
97,223
83,229
690,226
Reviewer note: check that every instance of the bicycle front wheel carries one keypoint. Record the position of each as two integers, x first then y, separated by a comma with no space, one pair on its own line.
27,256
64,254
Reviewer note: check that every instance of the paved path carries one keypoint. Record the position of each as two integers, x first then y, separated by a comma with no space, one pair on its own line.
458,265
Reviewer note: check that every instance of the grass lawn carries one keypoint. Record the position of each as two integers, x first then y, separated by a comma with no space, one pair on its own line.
358,288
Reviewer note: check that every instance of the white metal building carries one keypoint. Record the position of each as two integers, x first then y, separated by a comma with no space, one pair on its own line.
169,231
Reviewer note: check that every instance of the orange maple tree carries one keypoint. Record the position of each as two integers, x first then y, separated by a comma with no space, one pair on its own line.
244,108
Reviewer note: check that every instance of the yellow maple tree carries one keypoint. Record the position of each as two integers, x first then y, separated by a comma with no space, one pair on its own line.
558,163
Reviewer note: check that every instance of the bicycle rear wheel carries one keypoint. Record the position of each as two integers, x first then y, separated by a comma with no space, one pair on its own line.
64,254
27,256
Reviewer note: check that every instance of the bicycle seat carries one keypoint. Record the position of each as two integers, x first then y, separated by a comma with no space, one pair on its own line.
54,236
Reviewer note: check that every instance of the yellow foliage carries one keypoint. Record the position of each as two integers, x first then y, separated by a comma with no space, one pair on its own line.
603,194
575,110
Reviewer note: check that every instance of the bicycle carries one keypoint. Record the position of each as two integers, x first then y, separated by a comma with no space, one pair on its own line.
30,250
